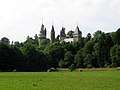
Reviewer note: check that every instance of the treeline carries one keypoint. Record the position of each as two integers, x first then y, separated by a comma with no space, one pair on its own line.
101,50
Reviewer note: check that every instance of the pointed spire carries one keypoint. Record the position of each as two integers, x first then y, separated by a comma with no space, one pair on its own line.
77,26
42,27
52,33
52,28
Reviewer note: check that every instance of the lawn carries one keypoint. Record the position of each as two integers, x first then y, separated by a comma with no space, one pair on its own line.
86,80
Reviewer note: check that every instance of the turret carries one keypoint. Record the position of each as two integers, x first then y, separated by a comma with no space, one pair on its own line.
77,34
52,35
62,34
42,32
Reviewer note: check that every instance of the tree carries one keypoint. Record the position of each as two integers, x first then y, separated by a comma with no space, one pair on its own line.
5,57
61,63
79,59
115,55
5,40
16,58
31,41
102,44
56,52
88,48
76,47
113,36
68,58
88,60
87,54
67,46
44,42
72,67
35,60
88,37
117,36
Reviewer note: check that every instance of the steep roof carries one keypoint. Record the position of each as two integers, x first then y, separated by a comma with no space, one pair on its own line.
52,29
77,30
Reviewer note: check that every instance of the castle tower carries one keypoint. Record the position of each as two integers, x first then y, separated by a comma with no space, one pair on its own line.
52,35
77,34
62,34
42,32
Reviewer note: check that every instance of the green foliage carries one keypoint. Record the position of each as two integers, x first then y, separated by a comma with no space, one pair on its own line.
5,40
72,67
68,58
61,63
36,60
117,36
101,50
115,55
79,59
31,41
4,57
88,37
56,52
103,43
88,48
44,42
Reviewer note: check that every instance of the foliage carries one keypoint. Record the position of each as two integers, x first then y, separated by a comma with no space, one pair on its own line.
5,40
117,36
72,67
44,42
101,50
79,59
115,55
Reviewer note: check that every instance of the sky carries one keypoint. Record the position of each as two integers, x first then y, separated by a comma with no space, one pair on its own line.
22,18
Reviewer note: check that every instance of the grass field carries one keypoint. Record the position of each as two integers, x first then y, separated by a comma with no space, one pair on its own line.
86,80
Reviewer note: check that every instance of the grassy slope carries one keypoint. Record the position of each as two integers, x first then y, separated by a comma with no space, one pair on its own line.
86,80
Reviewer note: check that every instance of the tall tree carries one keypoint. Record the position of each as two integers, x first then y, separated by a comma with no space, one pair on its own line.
56,53
103,43
68,58
79,59
117,36
88,53
88,37
5,57
115,55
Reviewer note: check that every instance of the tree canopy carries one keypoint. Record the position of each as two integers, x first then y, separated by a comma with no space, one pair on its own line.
101,50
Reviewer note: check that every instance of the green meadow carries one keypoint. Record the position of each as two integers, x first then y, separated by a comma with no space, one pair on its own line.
85,80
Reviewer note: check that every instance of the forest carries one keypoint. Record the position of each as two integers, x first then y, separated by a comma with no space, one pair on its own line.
98,51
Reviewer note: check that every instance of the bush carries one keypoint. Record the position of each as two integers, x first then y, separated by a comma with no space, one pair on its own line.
72,67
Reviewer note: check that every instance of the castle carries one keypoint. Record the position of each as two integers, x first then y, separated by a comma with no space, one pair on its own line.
72,36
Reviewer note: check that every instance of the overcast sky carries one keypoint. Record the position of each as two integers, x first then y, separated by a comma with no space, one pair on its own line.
22,18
